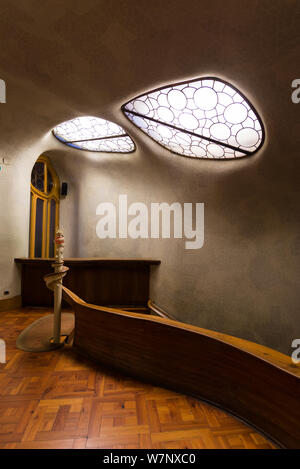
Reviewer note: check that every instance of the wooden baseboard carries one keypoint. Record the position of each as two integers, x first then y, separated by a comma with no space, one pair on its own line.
7,304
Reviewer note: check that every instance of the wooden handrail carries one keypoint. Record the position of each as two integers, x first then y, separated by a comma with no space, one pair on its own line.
265,353
256,383
158,311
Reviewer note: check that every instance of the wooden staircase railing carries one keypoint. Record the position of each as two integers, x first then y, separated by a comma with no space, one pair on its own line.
253,382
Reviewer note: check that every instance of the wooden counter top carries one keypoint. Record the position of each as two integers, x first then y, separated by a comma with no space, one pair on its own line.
90,261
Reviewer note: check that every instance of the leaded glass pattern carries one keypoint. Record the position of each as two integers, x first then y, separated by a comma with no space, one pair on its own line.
94,134
38,176
202,118
49,181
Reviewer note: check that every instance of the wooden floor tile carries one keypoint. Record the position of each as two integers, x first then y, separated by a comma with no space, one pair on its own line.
61,400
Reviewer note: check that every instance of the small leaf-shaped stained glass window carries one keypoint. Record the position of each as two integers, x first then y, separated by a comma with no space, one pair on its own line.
202,118
94,134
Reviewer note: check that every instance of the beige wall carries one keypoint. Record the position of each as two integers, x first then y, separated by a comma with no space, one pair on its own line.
244,280
67,59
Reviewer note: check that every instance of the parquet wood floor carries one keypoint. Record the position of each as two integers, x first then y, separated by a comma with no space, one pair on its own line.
60,400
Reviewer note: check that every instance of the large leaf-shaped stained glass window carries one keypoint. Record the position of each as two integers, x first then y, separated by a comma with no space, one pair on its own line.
94,134
202,118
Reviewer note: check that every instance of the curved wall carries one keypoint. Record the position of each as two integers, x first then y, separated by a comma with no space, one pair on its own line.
245,279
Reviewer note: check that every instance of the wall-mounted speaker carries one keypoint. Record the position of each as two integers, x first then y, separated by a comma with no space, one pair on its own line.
64,188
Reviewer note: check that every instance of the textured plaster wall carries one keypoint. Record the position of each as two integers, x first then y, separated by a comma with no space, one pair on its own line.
87,58
244,281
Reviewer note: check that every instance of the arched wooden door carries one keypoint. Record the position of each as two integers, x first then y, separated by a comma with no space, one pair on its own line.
44,208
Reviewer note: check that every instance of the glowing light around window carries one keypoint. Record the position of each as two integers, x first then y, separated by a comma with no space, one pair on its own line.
202,118
94,134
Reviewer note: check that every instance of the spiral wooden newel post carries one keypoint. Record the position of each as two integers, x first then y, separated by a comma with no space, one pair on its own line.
46,333
58,269
54,283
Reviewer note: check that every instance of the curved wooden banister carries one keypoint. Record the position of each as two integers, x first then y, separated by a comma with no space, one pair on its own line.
265,353
53,277
256,383
157,311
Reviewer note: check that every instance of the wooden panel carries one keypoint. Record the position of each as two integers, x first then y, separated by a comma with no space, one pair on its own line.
258,384
98,281
60,400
